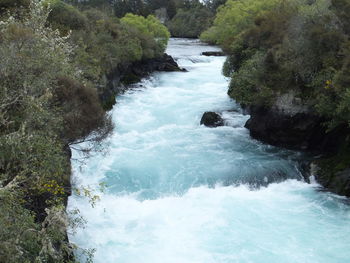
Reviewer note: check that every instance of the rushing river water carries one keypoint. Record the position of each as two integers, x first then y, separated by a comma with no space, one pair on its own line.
179,192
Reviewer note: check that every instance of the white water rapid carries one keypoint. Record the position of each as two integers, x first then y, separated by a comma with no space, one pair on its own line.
179,192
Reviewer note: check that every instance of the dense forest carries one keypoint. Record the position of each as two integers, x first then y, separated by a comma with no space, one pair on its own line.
184,18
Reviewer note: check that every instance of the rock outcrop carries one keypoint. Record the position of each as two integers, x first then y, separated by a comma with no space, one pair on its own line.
212,119
118,80
293,125
164,63
213,53
300,131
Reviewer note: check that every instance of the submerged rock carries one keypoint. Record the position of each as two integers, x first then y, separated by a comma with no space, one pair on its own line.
212,119
213,53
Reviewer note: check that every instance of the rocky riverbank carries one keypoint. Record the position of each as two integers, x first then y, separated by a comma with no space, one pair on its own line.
293,125
117,82
120,78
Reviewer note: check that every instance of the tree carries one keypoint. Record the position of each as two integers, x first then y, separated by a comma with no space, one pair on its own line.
149,28
122,7
191,22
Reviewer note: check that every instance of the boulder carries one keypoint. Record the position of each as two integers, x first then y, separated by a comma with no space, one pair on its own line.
213,53
212,119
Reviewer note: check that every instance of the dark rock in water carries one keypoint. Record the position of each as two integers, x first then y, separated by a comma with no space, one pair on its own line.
276,128
212,119
213,53
302,130
164,63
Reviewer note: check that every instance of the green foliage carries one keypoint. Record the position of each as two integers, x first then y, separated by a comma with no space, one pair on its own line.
186,18
19,240
149,29
65,17
278,46
10,5
122,7
82,112
105,43
45,104
233,17
213,5
191,22
243,83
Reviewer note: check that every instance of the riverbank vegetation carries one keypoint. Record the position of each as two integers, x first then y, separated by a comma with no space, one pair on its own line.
193,17
54,59
184,18
275,47
191,20
104,42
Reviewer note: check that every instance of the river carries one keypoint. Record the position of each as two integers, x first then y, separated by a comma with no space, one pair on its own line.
178,192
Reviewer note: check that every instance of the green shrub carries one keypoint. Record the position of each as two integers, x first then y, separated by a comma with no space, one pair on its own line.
11,5
65,17
233,17
81,111
149,30
190,23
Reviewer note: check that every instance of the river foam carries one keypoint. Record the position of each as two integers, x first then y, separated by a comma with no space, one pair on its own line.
180,192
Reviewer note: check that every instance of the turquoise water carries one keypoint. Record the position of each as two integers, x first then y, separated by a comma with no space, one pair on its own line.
179,192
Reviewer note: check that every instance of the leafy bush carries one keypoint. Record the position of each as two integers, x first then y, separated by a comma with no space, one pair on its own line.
65,17
149,29
81,111
10,5
232,18
190,23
